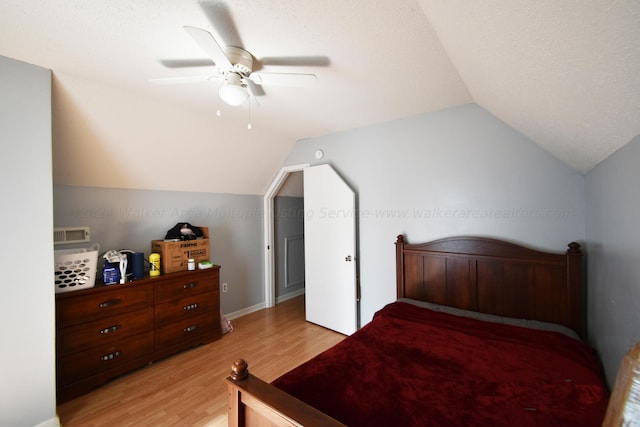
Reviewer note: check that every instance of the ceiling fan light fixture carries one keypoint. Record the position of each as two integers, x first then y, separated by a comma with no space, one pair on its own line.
232,92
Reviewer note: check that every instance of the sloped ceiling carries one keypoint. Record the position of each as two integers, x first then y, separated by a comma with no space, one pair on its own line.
564,73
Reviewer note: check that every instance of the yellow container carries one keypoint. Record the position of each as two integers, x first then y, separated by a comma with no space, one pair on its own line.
154,268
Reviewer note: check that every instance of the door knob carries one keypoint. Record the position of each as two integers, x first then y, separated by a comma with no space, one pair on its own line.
347,258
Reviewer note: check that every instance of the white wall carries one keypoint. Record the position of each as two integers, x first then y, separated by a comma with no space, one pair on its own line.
27,308
108,137
459,171
613,208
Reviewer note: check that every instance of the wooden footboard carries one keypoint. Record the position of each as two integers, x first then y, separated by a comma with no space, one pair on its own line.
253,402
624,405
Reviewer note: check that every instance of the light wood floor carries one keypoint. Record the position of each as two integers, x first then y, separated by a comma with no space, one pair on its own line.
188,389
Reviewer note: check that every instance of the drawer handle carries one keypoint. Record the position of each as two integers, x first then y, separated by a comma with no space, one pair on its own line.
110,303
110,356
110,329
190,285
190,328
190,306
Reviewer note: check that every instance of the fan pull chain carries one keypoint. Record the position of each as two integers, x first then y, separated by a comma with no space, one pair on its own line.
249,125
218,111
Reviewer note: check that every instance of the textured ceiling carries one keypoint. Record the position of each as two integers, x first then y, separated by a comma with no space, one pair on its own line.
564,73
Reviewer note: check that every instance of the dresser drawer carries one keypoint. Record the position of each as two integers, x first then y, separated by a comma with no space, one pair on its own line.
100,359
187,329
173,311
119,299
187,284
107,331
103,331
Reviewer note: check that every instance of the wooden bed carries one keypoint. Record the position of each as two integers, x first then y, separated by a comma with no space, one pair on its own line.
469,273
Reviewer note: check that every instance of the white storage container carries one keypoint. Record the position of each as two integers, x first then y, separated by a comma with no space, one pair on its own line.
75,269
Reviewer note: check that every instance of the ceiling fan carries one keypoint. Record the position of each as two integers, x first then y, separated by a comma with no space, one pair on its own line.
234,68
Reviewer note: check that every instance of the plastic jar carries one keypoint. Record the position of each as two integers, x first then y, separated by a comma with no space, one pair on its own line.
154,264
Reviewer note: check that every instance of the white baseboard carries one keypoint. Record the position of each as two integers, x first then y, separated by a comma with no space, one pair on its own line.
52,422
244,311
290,295
260,306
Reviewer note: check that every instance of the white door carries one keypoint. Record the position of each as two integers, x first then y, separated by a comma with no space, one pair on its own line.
330,245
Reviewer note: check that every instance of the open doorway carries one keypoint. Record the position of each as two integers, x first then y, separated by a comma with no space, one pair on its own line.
293,187
288,243
329,240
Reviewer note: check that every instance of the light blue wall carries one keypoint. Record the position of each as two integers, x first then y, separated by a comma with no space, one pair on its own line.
27,308
288,223
459,171
613,209
130,219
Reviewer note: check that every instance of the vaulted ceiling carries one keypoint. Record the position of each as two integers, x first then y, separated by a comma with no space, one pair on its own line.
564,73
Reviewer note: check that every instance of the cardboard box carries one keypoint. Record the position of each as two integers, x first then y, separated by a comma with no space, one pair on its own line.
174,255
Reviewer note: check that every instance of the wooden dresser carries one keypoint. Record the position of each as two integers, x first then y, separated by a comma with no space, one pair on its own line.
106,331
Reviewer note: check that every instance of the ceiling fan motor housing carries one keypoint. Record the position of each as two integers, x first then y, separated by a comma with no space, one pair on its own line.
241,59
233,78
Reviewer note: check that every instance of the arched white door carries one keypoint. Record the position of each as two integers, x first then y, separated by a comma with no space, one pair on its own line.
330,250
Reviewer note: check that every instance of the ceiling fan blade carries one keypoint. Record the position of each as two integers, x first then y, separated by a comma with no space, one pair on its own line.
187,63
296,61
208,43
221,19
186,79
284,79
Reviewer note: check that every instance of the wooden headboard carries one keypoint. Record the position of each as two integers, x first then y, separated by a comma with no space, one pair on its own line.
495,277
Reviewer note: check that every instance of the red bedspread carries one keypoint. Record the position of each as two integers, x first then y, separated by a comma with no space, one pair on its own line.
412,366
